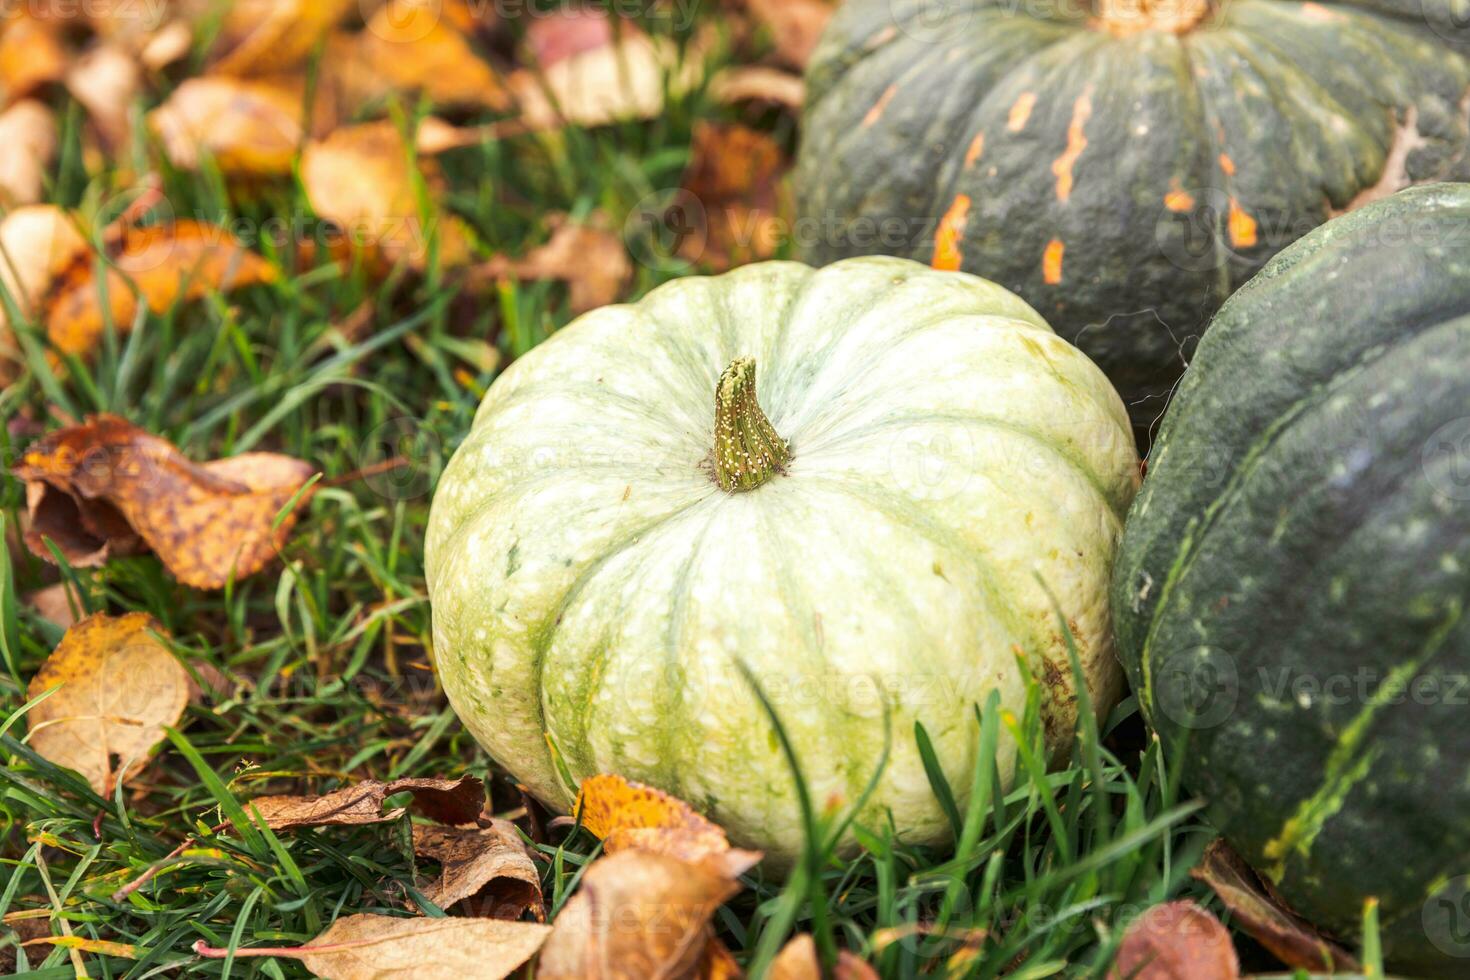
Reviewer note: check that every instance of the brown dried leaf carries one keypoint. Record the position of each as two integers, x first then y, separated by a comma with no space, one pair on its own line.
28,133
263,37
798,961
736,174
105,81
569,31
250,128
166,45
760,84
414,48
37,244
590,259
451,801
361,178
1264,917
119,687
1176,941
636,914
625,80
55,602
795,25
717,963
382,947
107,487
166,264
31,55
487,871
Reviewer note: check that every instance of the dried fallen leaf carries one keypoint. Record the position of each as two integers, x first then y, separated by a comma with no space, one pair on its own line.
1176,941
250,128
166,45
104,81
108,487
261,37
28,133
381,947
1262,916
56,603
414,48
37,244
569,31
166,264
625,80
632,816
487,871
449,801
636,914
119,687
590,259
795,25
736,175
31,55
361,179
717,963
759,84
798,961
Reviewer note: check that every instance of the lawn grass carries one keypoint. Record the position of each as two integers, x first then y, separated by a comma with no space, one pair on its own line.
325,659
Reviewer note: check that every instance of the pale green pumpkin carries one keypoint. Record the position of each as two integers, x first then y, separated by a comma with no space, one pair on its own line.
597,569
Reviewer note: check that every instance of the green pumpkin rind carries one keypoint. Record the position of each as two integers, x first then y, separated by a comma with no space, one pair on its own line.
1303,537
592,587
1148,175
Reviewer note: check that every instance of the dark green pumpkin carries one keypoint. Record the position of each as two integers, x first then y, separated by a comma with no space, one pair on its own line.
1123,172
1290,595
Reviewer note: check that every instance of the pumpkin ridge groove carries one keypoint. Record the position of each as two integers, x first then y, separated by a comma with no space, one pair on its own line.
673,643
1200,526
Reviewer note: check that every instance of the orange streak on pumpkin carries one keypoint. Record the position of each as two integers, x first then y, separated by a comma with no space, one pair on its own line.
1242,226
1051,261
1076,143
947,255
1178,199
977,147
876,113
1021,111
1227,164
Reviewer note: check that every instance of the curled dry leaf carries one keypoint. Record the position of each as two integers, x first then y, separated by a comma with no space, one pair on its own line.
28,134
449,801
736,175
589,258
381,947
249,128
56,603
756,83
636,914
1264,917
108,487
1176,941
105,81
166,45
486,871
632,816
413,47
119,687
361,178
165,264
795,26
798,961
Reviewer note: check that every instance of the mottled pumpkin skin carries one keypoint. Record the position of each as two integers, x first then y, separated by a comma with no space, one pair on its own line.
1124,181
593,589
1301,545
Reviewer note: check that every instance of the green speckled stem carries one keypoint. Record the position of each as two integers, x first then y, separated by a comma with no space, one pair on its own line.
748,452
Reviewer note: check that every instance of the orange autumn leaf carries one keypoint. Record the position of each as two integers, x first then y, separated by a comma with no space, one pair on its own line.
1175,941
485,871
261,37
795,25
736,174
250,128
415,48
28,133
361,178
116,687
31,55
165,264
798,961
588,257
37,244
108,487
632,816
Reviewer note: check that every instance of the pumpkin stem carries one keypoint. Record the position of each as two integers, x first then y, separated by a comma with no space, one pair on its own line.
748,452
